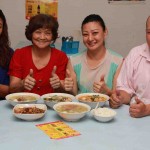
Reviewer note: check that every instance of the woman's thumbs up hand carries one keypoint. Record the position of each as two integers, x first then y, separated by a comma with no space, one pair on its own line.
29,81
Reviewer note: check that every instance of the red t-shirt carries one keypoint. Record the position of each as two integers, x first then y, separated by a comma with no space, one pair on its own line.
22,62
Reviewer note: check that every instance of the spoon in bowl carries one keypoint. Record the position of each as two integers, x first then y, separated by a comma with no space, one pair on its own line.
93,110
97,105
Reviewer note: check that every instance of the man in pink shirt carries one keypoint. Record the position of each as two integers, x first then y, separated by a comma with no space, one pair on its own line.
133,83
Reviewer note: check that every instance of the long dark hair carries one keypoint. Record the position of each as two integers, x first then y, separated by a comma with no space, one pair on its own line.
5,53
94,18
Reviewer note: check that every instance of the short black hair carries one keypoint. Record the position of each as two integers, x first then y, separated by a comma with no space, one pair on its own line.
42,21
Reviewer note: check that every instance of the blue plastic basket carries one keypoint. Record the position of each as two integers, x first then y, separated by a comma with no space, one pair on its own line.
70,47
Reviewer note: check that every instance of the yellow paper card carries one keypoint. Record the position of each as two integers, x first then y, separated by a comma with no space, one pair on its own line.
58,130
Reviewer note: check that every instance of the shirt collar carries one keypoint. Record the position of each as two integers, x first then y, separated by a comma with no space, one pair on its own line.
146,52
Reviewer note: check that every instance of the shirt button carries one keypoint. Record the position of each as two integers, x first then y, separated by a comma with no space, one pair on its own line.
40,80
38,88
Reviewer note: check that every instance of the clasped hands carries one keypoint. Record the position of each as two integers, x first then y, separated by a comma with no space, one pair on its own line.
136,110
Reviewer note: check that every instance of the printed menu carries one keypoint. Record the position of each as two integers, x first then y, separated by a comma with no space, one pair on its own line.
57,130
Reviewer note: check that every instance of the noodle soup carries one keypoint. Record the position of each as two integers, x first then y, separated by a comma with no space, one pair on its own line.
50,99
72,108
92,99
22,98
57,98
71,111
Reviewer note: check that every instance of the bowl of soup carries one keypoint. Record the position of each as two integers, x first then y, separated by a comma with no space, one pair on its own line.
22,98
71,111
51,99
29,112
92,99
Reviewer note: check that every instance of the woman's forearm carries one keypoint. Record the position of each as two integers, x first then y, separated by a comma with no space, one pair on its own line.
16,85
4,90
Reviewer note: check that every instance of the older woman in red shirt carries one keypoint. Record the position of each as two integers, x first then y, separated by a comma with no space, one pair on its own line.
39,68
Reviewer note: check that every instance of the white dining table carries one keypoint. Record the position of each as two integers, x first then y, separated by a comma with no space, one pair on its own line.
122,133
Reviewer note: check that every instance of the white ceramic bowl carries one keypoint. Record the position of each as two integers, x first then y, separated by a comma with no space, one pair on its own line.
29,117
71,116
92,104
103,114
12,101
51,103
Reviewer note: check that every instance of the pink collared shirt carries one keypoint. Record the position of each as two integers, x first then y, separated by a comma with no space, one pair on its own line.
134,77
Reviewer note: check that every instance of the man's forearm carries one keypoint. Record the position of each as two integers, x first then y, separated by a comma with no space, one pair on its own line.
126,97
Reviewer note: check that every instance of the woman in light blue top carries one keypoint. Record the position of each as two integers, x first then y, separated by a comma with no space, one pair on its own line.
96,67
